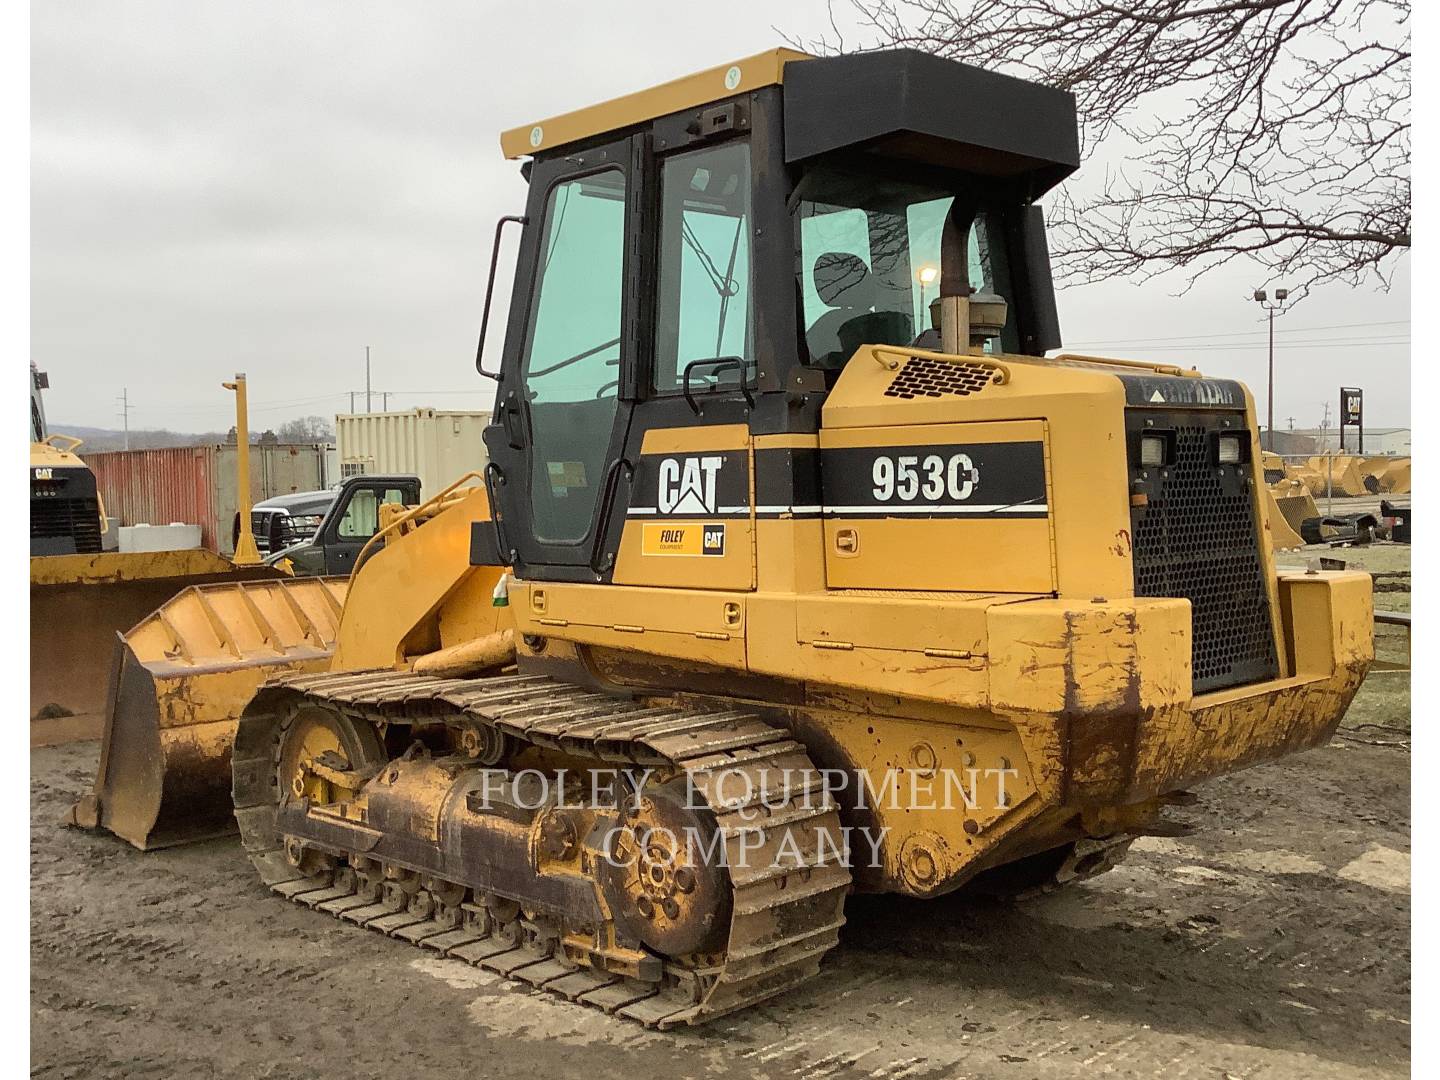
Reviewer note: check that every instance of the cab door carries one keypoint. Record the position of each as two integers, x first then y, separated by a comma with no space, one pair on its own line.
567,379
355,518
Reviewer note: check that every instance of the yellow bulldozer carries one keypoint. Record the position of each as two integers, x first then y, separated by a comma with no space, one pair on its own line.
82,594
799,568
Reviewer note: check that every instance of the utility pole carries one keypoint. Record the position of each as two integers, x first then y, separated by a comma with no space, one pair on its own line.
124,401
367,378
384,400
352,402
1281,295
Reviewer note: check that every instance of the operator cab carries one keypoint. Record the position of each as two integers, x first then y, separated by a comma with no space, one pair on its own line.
714,251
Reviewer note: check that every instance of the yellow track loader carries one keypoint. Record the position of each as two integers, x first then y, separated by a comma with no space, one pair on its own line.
819,574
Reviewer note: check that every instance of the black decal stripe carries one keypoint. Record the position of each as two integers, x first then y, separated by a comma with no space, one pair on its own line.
1008,479
787,476
652,513
732,486
1152,390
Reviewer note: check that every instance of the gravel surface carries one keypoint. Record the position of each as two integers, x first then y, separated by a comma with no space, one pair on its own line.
1273,941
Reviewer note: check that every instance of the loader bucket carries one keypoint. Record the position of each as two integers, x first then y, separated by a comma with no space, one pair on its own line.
1283,536
1296,505
179,681
78,604
1396,478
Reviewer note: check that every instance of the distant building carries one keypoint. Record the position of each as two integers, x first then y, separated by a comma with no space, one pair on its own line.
1378,440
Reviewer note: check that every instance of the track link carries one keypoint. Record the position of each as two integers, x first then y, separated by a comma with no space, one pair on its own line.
784,917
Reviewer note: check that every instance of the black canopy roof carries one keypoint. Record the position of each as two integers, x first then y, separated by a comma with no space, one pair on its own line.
1017,135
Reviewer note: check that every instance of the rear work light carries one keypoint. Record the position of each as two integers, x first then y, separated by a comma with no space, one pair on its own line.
1152,450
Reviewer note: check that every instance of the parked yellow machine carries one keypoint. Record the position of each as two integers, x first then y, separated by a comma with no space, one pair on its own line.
776,537
82,596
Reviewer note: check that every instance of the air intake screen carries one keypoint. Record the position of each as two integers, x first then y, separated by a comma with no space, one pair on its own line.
56,518
923,377
1198,538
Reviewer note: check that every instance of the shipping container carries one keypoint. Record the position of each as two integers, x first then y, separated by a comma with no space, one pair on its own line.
196,485
437,445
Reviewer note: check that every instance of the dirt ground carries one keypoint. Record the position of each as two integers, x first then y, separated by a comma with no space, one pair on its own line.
1272,942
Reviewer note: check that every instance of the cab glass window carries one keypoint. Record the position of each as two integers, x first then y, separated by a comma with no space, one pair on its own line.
869,261
572,357
362,517
704,300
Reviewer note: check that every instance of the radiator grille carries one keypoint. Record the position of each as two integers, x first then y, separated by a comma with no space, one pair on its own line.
54,518
262,523
1197,538
923,377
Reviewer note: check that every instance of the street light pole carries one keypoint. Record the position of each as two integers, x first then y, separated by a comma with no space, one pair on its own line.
1281,295
1270,388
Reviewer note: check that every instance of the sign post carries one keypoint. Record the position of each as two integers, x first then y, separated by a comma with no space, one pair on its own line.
1352,414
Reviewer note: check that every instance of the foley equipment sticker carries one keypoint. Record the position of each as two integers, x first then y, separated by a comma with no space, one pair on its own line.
692,538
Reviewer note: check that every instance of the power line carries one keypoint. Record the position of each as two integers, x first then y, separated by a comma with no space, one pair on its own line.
265,406
1260,345
1238,333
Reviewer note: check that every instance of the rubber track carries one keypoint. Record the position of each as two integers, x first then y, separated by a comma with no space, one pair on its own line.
785,919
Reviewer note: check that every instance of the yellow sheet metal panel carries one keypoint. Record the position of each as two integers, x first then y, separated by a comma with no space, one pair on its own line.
690,522
708,627
404,584
692,91
687,553
1083,407
947,625
1064,657
785,554
469,612
1328,619
947,506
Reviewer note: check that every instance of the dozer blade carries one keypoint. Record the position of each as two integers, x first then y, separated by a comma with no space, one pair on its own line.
179,681
78,604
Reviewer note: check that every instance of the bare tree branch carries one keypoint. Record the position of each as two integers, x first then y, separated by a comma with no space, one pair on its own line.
1276,131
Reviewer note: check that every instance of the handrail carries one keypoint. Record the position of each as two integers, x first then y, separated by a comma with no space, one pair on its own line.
1159,369
508,219
607,504
412,515
1002,371
75,443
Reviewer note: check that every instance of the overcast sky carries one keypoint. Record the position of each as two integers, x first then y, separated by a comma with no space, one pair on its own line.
270,187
